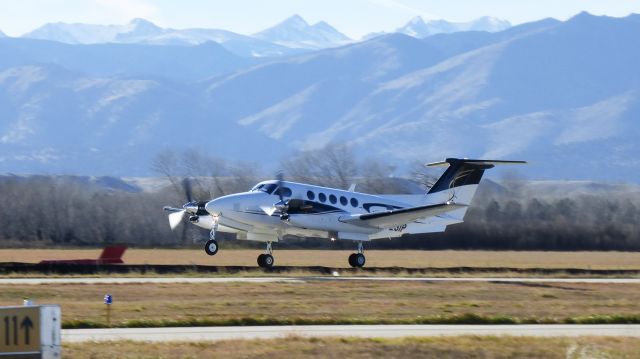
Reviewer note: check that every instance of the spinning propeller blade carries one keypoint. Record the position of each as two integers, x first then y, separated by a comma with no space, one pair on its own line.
177,214
175,218
188,190
268,210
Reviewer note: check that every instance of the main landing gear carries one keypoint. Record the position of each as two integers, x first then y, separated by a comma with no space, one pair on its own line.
211,247
265,260
357,259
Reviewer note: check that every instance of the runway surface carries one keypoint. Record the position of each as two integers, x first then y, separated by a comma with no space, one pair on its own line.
366,331
126,280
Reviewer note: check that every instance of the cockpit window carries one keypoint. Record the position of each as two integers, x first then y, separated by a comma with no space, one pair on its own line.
257,187
269,188
265,187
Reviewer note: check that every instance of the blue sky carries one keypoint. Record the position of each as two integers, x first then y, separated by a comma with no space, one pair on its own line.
353,17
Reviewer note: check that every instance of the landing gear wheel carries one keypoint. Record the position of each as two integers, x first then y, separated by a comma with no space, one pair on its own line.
265,260
352,260
360,260
211,247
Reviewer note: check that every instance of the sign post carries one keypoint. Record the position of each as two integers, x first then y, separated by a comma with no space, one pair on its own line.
30,331
108,300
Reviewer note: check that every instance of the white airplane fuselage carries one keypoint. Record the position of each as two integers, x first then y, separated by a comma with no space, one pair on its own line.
244,213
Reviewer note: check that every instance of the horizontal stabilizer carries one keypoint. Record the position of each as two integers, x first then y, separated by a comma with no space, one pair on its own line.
492,163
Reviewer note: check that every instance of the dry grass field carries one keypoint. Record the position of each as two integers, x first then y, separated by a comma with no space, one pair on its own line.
338,258
329,301
295,347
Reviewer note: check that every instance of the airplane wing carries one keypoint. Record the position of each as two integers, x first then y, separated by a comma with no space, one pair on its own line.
172,209
396,217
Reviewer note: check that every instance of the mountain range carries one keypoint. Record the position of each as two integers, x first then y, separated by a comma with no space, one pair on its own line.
564,95
417,27
295,32
140,31
291,36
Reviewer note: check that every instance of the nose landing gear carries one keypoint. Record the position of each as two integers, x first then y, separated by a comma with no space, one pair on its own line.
357,260
266,260
211,247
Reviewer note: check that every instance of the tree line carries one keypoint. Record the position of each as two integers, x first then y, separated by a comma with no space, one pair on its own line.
43,211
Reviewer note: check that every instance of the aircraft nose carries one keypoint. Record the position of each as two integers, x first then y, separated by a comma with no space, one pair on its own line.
229,203
215,207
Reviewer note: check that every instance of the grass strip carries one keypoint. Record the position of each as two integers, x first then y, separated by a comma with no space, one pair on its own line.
366,348
467,318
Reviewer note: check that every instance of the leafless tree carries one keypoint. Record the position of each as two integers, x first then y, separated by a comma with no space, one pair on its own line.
334,165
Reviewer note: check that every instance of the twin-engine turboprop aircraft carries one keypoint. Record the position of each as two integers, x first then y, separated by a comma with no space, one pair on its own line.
273,209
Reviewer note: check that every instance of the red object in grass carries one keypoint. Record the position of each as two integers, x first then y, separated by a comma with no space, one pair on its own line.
109,255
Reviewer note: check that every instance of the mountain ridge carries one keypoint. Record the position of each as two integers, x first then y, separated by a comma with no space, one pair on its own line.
297,33
562,95
142,31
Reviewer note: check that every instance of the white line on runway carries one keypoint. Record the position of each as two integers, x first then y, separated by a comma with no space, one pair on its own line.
131,280
128,280
367,331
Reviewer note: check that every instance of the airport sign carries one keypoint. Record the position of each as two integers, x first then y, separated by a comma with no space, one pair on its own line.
30,331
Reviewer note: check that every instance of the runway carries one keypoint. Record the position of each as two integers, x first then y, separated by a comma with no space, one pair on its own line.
213,280
364,331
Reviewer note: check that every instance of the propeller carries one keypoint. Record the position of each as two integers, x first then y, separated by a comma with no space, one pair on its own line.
281,205
175,218
176,215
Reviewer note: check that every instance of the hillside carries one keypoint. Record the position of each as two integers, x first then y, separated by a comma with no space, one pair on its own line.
563,95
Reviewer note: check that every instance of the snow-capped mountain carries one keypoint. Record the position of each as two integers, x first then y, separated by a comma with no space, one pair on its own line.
140,31
75,33
297,33
485,23
293,36
2,34
134,31
417,27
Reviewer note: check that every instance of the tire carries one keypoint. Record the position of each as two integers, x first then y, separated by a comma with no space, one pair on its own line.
267,261
352,260
261,260
211,247
360,260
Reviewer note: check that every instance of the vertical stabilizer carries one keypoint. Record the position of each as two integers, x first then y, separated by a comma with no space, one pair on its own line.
460,181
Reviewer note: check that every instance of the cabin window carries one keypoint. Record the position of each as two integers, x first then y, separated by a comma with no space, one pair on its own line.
333,199
322,197
354,202
311,195
343,200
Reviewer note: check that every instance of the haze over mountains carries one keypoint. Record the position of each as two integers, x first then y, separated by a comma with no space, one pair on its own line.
563,95
419,28
285,38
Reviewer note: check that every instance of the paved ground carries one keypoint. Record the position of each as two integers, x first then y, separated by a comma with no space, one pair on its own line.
370,331
124,280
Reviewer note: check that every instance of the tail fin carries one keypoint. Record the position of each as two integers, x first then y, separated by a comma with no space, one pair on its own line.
463,174
112,254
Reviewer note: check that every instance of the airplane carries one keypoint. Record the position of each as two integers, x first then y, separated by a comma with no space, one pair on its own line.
275,208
